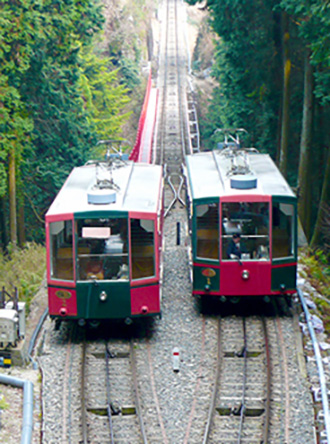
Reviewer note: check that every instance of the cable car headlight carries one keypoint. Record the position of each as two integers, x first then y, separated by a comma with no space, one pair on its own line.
245,275
103,296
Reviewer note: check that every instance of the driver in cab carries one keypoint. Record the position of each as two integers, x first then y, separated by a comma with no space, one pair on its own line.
236,247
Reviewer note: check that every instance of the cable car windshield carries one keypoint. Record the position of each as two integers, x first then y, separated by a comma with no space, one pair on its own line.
245,231
102,249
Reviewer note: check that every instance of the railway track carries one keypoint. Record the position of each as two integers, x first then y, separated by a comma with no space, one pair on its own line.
111,407
254,384
173,141
240,407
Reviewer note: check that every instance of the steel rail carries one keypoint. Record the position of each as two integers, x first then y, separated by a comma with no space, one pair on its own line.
174,198
265,434
176,193
109,413
182,202
83,395
285,387
210,417
136,393
317,352
242,406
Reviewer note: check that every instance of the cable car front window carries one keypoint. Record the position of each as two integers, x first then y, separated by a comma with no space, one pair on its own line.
207,229
102,249
143,248
61,250
245,231
283,230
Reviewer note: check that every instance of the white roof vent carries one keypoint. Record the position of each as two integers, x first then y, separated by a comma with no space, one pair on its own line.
101,196
243,182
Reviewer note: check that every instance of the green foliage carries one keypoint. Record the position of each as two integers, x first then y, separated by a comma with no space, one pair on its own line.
130,72
46,108
247,69
18,23
23,268
3,403
42,116
103,96
316,269
57,98
3,180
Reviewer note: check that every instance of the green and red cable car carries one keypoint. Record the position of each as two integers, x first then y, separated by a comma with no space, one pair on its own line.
104,243
243,224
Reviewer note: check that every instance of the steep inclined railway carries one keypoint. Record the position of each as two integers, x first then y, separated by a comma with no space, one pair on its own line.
173,138
249,405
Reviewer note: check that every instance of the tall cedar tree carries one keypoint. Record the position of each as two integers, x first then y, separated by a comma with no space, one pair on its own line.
50,90
313,20
252,55
247,64
19,25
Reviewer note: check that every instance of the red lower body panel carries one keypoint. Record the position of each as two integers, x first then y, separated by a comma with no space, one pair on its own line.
245,279
145,300
62,302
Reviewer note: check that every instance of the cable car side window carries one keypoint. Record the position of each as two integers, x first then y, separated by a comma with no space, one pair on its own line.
245,231
102,249
61,248
142,248
207,229
283,236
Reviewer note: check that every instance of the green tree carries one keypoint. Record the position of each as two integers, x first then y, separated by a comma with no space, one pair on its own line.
284,141
103,96
63,132
247,67
272,66
18,29
313,24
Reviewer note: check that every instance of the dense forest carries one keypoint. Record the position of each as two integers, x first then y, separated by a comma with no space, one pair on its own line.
272,67
64,85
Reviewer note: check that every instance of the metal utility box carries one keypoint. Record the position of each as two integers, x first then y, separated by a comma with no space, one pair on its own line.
8,327
21,317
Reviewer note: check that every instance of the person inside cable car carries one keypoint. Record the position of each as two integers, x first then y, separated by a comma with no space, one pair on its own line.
236,247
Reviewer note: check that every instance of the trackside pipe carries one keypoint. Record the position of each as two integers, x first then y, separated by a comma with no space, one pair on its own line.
27,386
318,356
34,338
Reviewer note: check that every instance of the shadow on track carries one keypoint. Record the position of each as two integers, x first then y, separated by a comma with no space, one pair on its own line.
244,306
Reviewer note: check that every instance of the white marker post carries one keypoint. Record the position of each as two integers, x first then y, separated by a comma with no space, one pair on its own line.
176,359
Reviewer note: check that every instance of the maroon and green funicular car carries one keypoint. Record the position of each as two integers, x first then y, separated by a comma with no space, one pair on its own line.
103,233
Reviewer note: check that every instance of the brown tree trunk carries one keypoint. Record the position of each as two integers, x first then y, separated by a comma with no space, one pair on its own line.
21,223
325,199
304,182
12,198
286,97
3,227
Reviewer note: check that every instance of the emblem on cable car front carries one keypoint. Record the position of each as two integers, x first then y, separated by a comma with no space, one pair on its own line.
63,294
208,272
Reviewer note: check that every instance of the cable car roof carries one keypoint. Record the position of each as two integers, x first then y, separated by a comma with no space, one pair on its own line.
137,188
209,175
